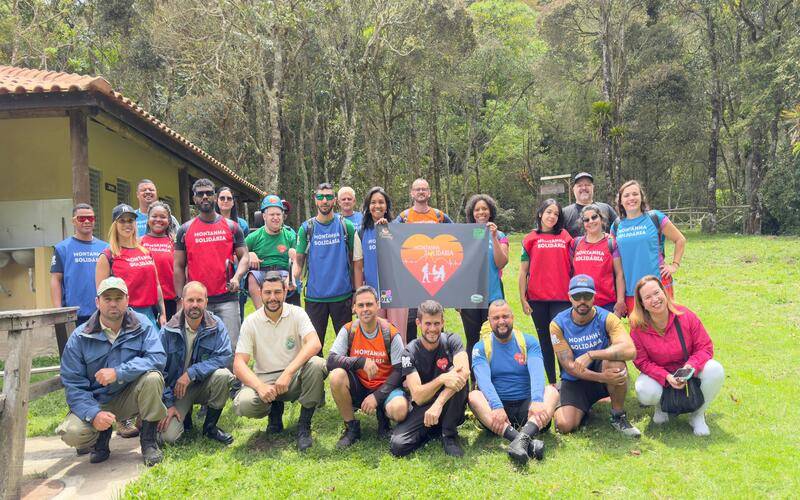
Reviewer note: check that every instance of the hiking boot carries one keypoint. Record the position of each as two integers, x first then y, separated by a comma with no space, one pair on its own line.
151,454
127,429
101,452
187,421
621,424
536,449
352,433
384,425
210,429
451,446
518,448
304,440
83,451
275,422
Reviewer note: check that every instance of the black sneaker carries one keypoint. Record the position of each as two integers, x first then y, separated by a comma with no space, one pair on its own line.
451,446
352,433
518,448
536,449
621,424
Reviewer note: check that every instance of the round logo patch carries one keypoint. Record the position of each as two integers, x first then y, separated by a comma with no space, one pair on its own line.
282,248
518,358
290,344
442,363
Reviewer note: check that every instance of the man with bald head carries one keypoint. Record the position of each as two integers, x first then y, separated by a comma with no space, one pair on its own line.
513,400
198,350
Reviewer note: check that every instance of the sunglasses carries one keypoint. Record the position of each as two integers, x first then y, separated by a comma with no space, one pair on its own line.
590,218
225,198
126,220
582,297
321,197
204,194
85,218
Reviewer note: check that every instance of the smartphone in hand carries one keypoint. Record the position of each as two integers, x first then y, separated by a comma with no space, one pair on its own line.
683,373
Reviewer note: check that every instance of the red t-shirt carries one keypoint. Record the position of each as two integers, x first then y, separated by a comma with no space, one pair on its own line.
597,261
549,265
162,249
138,270
210,253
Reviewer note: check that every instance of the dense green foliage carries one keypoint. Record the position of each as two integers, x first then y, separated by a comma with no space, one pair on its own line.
693,97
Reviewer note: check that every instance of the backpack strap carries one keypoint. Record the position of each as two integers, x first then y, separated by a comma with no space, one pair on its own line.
439,216
523,348
110,256
486,338
386,331
404,215
654,218
615,226
610,246
351,333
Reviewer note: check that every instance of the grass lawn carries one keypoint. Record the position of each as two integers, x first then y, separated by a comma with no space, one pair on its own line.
745,289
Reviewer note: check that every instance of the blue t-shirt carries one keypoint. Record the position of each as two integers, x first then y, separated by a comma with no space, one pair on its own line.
495,283
506,377
328,266
369,244
640,250
357,219
582,338
77,261
244,225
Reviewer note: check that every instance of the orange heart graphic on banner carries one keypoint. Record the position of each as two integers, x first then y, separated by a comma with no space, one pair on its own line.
432,261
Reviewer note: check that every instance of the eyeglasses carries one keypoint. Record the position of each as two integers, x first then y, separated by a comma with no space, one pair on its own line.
321,197
204,194
421,190
126,220
225,198
85,218
590,218
582,297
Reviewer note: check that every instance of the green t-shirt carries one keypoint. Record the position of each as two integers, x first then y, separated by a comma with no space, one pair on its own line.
272,249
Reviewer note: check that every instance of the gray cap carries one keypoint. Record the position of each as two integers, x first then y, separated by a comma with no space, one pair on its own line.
112,283
581,175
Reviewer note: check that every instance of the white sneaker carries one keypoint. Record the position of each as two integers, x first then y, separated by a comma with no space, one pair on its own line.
660,417
698,423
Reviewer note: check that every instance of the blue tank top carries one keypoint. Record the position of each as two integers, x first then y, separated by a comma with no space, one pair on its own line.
583,338
369,244
328,269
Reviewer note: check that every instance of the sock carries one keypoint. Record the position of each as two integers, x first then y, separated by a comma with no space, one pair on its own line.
510,433
530,428
617,413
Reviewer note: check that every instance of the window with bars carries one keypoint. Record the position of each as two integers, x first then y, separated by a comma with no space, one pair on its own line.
123,191
95,178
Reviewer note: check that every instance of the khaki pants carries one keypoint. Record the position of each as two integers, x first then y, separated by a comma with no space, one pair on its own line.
142,397
307,388
212,392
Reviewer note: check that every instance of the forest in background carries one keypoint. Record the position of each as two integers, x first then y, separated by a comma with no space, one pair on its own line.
698,99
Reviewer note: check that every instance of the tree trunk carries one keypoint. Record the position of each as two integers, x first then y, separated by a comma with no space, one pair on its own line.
605,129
710,221
272,171
436,163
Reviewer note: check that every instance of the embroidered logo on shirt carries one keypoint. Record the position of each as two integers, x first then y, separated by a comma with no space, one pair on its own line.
554,339
289,344
518,358
405,361
442,363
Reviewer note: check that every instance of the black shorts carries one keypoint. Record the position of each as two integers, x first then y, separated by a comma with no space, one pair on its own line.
582,394
357,391
517,413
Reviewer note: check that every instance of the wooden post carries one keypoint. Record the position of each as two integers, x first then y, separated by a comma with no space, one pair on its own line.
14,418
63,331
79,147
184,193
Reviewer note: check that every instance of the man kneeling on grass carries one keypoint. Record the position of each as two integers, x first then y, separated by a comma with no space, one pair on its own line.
283,343
198,351
512,392
592,347
111,370
364,365
436,370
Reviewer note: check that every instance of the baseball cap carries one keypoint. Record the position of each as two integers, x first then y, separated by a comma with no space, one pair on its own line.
582,175
581,283
112,283
121,210
286,206
271,200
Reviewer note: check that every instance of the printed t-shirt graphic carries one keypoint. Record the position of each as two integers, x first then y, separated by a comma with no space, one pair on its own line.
329,277
77,261
549,265
597,261
138,270
639,247
162,249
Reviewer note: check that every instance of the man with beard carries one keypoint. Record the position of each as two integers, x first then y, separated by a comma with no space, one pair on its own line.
111,370
512,392
583,189
206,248
331,248
592,347
198,350
364,365
282,342
147,194
436,370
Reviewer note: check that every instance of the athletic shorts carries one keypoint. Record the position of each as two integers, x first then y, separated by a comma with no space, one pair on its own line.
358,392
582,394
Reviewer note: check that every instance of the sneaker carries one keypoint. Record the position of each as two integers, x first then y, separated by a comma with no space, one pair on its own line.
620,423
699,426
352,433
451,446
127,429
518,448
536,449
660,417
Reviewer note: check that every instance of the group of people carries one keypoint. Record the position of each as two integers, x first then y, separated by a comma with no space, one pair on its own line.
161,326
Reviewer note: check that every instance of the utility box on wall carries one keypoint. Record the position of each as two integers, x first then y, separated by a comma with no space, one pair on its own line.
34,223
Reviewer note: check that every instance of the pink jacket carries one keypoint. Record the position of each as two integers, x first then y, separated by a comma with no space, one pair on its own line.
657,355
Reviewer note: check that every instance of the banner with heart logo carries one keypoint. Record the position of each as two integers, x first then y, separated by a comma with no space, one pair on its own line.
445,262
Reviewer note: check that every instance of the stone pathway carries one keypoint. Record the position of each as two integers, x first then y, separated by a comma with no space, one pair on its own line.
53,470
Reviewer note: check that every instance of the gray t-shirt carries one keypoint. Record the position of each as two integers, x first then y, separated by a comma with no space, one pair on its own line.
572,217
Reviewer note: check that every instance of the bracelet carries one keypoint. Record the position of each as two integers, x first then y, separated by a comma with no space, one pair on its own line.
678,264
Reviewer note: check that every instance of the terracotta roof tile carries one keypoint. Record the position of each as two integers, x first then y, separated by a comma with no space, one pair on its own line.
14,80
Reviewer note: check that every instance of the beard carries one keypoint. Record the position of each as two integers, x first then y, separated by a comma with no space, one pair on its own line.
504,333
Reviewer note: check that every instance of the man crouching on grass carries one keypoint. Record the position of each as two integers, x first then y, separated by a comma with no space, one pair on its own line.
111,370
283,343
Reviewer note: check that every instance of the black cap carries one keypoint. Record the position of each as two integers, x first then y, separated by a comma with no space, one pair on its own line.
581,175
121,210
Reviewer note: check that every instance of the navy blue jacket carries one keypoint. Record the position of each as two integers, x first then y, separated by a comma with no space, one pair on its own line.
136,351
211,350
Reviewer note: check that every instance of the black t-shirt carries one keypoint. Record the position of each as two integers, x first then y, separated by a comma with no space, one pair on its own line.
572,217
431,364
